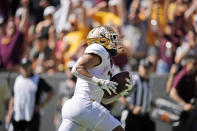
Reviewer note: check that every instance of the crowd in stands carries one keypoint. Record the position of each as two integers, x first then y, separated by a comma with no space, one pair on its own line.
52,34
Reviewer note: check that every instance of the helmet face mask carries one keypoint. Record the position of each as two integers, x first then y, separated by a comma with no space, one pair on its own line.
107,37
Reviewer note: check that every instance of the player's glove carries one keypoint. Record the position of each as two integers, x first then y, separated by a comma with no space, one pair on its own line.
129,85
106,84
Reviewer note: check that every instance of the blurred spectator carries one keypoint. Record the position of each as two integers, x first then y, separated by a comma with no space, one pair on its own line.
183,92
66,91
61,16
77,34
11,44
51,33
139,103
43,50
4,97
102,16
157,22
43,26
188,47
136,31
25,103
167,50
176,8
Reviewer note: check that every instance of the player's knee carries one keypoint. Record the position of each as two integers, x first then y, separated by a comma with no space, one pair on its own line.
118,128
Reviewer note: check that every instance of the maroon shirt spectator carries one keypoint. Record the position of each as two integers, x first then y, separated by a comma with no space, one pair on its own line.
169,43
185,85
184,93
11,45
168,47
10,49
166,50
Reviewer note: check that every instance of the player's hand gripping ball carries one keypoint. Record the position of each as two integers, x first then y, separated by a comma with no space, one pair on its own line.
125,84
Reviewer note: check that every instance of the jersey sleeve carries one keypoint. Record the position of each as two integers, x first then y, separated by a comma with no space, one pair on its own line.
97,50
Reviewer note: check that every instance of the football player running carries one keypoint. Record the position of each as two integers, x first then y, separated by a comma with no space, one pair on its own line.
93,71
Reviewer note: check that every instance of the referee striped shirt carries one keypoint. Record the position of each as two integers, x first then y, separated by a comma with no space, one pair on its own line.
142,95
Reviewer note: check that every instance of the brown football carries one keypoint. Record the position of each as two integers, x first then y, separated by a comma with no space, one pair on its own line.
120,78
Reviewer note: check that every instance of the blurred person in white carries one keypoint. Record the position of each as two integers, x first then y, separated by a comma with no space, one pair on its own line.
87,112
69,8
189,43
61,16
138,104
65,92
5,94
188,47
25,104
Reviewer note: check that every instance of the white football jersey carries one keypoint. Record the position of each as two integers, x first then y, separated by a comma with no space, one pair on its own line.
104,71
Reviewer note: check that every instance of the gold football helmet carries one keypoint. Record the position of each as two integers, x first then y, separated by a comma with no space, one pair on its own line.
107,37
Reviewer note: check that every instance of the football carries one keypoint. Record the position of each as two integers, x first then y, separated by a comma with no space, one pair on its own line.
119,78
